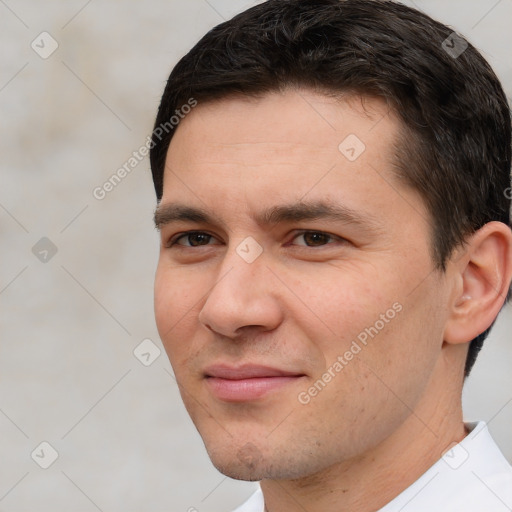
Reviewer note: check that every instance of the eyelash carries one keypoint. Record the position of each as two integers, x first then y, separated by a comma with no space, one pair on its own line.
174,240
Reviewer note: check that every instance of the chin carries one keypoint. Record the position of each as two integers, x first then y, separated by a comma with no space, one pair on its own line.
249,464
239,471
243,463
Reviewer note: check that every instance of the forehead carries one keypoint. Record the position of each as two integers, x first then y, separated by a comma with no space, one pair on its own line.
291,126
285,146
273,117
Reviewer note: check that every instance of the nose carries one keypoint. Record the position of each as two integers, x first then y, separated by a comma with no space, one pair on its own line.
243,297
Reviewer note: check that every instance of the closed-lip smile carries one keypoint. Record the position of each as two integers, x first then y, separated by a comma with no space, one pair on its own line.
246,382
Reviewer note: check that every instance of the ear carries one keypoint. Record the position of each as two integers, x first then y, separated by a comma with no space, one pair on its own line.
483,271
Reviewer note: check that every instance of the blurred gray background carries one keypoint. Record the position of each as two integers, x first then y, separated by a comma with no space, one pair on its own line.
76,272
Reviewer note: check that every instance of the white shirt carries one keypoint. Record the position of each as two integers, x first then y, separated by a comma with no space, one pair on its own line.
473,476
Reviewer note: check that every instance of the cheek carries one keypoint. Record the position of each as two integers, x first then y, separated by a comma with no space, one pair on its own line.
345,305
375,320
174,308
402,352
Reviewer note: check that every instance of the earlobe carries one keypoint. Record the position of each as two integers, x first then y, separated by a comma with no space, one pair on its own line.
484,272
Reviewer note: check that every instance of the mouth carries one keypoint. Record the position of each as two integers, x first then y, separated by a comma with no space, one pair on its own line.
248,382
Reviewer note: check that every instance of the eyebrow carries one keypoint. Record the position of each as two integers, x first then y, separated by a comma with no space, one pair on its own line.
167,213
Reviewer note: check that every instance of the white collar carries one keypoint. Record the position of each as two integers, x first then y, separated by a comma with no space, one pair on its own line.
473,476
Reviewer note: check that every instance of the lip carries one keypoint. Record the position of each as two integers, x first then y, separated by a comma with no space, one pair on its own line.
247,382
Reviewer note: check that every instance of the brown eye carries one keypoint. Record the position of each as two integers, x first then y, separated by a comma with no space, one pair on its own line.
314,238
194,239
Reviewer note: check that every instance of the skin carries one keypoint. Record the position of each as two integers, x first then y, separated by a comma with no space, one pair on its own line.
395,407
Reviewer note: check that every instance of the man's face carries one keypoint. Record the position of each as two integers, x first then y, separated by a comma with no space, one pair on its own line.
298,342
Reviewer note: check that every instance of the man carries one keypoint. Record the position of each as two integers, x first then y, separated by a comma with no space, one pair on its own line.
336,245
